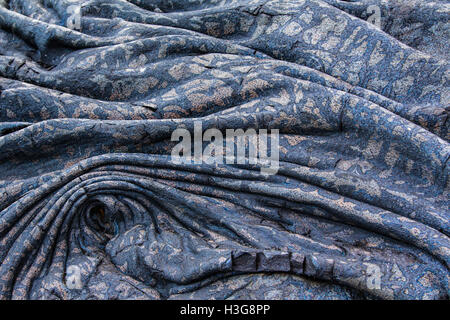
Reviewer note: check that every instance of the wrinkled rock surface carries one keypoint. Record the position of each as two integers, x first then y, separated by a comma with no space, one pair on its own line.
88,188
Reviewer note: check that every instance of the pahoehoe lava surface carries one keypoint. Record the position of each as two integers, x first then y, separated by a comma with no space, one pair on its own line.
87,184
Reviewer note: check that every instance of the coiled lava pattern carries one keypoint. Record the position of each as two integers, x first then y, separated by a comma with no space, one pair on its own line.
89,191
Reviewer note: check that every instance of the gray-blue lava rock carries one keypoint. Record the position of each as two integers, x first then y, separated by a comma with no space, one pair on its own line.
93,207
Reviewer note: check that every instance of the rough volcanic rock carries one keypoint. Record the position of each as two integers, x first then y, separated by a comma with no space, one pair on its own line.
93,207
